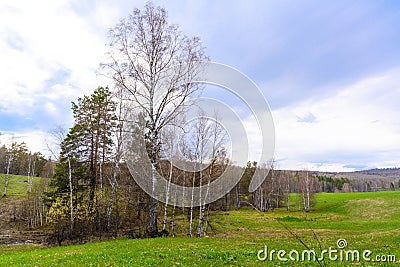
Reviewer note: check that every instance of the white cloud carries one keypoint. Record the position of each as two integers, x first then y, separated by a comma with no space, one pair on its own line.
50,108
49,55
357,126
37,40
35,140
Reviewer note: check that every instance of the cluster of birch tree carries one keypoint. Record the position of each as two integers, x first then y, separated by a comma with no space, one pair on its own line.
142,50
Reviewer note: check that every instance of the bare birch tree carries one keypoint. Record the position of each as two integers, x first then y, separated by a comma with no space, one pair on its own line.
307,187
169,135
118,152
204,143
9,161
214,134
29,174
142,49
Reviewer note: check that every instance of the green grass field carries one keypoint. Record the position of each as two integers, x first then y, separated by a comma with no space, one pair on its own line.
17,185
367,221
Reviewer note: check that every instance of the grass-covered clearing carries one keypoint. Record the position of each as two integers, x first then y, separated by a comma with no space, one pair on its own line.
18,184
366,220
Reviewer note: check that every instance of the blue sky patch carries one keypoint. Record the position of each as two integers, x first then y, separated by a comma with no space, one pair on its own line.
310,118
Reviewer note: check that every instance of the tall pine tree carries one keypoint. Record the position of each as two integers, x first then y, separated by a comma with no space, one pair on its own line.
85,151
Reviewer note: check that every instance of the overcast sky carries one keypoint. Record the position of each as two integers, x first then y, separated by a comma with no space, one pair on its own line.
330,70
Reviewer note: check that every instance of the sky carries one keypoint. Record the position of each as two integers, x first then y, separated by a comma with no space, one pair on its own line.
330,70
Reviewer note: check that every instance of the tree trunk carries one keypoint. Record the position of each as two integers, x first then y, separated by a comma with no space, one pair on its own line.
29,174
191,208
71,203
237,195
288,197
201,210
100,205
183,192
202,228
153,227
173,217
118,155
167,195
112,195
10,158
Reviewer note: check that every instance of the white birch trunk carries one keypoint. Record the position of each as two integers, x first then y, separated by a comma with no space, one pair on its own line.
29,174
191,208
10,159
167,195
71,203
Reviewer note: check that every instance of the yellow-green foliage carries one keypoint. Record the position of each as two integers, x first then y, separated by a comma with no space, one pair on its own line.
84,211
58,211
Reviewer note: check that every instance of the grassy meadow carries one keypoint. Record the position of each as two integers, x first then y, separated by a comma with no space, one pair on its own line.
367,221
18,185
